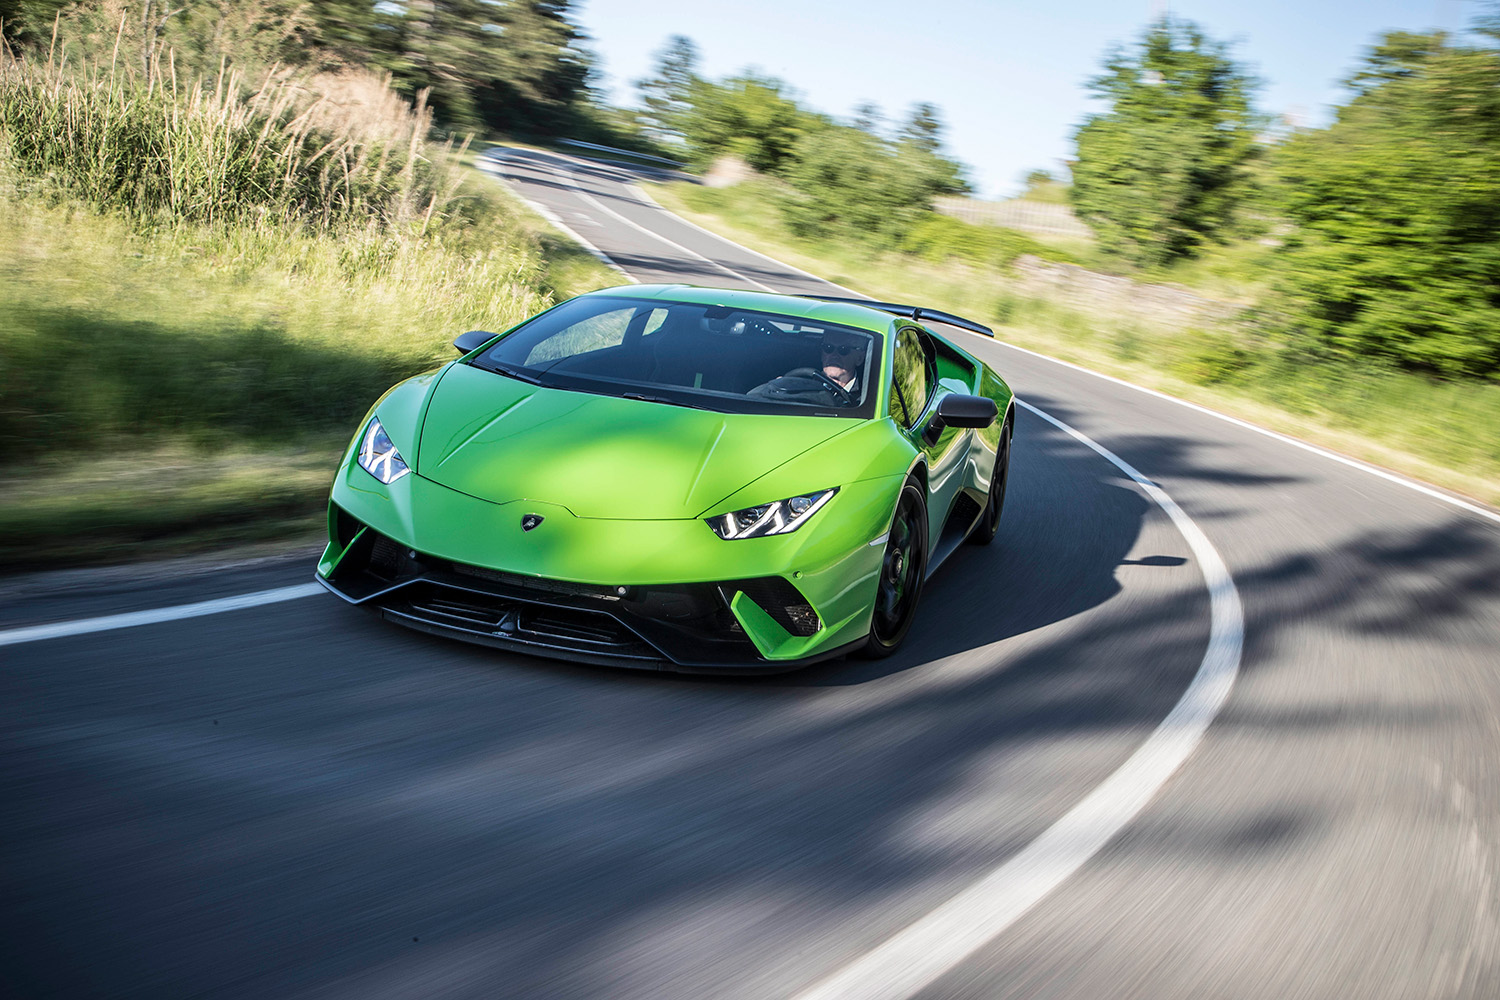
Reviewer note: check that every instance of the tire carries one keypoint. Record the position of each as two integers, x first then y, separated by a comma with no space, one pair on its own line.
903,570
983,533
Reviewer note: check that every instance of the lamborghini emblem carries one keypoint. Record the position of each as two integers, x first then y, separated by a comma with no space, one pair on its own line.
531,521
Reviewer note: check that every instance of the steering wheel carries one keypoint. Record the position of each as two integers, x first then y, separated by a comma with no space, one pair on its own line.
841,395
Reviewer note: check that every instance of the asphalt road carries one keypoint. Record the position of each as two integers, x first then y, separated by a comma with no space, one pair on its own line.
296,800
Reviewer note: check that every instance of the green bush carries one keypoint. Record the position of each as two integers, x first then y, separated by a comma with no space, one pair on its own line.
1396,249
941,237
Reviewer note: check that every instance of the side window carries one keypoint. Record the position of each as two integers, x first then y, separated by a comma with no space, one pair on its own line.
594,333
913,381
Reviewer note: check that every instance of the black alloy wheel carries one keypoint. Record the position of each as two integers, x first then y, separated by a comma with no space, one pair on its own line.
989,522
903,569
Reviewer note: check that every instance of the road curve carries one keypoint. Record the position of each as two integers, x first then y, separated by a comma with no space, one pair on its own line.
295,800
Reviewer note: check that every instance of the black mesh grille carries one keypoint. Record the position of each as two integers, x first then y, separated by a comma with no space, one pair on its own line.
690,623
965,509
783,602
388,558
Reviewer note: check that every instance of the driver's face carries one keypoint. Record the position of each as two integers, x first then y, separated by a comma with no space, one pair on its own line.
842,357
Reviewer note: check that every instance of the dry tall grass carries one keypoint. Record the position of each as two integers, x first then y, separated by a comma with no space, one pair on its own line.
329,152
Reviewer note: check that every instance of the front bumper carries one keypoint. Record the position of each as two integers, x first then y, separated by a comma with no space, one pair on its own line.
651,594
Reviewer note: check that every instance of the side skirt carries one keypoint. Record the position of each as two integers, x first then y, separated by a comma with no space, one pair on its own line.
962,518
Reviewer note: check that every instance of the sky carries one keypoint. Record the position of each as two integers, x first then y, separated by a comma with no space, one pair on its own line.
1009,77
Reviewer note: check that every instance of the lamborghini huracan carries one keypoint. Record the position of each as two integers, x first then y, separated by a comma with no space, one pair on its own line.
677,478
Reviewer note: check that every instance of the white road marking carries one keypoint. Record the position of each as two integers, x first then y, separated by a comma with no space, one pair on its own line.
919,954
914,957
586,196
1353,463
83,626
925,950
553,218
645,198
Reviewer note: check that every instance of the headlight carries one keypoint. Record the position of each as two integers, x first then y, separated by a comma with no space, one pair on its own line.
770,518
379,457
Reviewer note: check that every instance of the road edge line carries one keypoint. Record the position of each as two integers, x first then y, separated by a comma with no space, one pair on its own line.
552,218
916,956
130,619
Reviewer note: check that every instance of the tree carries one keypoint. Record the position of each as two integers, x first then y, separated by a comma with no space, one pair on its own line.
868,118
752,117
28,21
506,64
1164,169
667,93
535,68
1396,248
923,128
919,145
851,182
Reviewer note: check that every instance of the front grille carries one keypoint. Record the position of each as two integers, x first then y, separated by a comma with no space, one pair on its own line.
503,618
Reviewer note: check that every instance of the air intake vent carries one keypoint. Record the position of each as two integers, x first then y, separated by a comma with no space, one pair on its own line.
783,602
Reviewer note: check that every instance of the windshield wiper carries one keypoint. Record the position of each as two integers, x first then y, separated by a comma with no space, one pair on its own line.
519,376
659,399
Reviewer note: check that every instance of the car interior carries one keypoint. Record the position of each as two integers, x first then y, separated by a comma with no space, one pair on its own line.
694,348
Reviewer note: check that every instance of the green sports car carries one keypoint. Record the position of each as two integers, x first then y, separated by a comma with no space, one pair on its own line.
677,478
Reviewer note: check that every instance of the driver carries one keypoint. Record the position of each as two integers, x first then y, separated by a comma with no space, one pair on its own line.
835,384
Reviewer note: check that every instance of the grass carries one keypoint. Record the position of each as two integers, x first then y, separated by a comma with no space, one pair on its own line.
204,284
164,497
1447,433
223,150
177,386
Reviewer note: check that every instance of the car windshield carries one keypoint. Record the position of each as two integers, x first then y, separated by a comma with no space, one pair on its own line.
712,357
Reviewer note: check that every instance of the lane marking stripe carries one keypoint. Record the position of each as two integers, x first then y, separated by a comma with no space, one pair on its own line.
83,626
914,957
645,197
1353,463
552,217
572,182
937,942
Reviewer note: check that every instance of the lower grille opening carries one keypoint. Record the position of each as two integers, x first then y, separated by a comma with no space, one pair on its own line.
782,601
502,617
688,623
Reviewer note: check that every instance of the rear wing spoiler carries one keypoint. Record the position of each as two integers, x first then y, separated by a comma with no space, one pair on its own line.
917,313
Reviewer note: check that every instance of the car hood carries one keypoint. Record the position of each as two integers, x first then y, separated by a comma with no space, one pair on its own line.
500,440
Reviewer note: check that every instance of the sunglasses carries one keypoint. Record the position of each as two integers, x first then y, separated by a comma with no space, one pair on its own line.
842,350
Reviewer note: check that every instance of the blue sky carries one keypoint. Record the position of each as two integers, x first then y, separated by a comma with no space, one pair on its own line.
1009,76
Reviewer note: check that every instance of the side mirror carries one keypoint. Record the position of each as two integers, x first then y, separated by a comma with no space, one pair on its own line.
958,410
472,341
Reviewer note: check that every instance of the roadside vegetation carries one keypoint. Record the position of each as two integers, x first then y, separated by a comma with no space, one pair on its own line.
207,281
227,226
1341,284
1442,430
